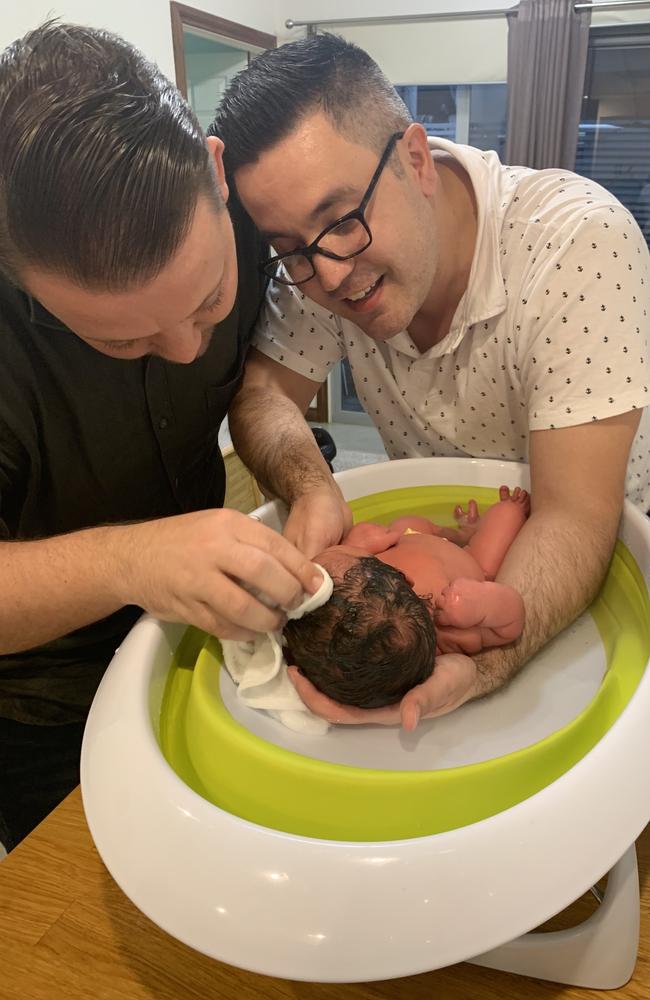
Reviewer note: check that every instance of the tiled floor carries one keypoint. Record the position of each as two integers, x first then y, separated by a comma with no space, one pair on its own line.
356,444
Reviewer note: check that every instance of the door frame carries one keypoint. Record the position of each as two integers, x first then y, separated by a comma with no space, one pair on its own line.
191,17
184,16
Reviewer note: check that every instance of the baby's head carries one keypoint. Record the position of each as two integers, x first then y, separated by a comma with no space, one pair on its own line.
372,641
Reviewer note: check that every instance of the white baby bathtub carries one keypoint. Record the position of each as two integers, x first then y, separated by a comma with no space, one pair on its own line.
310,908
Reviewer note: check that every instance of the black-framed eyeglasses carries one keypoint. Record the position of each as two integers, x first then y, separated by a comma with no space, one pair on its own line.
347,237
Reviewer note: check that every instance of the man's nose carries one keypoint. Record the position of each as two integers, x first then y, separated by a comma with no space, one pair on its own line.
331,273
180,344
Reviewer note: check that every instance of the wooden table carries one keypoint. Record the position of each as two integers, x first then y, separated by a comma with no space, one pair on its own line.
67,932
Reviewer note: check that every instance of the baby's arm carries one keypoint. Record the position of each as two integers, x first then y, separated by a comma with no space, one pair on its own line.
372,538
423,526
377,538
498,528
496,609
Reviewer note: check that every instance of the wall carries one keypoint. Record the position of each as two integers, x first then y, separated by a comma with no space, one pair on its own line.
449,52
145,24
456,51
308,10
462,51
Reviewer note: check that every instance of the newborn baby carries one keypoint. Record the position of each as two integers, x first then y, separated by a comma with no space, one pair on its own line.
375,638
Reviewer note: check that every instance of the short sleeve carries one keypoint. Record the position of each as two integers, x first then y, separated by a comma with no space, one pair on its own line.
298,333
583,327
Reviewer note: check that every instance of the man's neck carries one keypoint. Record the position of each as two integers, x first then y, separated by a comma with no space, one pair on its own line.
455,212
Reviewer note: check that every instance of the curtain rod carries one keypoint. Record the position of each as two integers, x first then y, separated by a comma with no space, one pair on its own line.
456,15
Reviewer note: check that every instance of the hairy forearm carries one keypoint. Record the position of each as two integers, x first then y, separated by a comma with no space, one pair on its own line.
271,437
557,564
52,586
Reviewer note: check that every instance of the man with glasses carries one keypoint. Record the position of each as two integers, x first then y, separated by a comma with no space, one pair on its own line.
485,310
340,240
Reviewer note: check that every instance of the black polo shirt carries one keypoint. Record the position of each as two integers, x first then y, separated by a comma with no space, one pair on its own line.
86,439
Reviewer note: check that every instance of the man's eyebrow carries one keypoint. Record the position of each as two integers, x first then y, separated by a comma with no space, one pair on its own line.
328,201
331,199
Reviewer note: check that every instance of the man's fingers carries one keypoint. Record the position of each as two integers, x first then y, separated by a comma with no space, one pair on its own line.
277,571
311,537
214,624
337,714
409,714
204,617
293,562
450,685
424,701
315,700
309,544
234,609
317,520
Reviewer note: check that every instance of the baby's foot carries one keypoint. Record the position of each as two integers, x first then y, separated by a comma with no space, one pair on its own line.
467,521
518,496
461,604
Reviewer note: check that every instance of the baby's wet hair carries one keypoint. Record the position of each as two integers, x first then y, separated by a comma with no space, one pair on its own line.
370,643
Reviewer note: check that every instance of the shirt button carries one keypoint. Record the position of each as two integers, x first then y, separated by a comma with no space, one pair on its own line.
162,423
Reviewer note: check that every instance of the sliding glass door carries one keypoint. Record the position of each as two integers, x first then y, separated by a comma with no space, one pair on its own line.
614,135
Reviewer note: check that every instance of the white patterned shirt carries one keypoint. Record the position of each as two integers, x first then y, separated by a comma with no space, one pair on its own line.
552,330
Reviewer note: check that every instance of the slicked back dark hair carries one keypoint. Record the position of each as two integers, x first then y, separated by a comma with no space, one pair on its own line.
267,101
370,643
101,160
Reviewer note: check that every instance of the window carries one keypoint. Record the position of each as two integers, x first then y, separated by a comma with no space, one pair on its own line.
614,134
473,113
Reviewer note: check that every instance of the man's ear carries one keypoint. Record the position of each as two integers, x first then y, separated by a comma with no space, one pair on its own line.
419,158
215,149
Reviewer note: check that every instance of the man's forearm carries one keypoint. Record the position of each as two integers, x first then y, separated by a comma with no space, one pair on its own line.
272,438
557,564
52,586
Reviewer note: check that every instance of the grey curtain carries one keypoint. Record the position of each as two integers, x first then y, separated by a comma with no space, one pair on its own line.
547,57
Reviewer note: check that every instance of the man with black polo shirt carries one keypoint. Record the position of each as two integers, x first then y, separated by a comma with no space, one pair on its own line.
127,297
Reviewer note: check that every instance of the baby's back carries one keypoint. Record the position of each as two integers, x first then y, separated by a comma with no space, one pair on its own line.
430,563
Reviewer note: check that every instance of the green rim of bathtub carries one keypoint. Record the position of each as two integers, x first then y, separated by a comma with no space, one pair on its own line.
277,788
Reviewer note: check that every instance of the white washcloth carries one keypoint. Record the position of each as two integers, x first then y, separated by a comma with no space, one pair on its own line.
259,670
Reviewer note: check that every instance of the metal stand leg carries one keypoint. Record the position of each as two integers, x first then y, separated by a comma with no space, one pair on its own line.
600,953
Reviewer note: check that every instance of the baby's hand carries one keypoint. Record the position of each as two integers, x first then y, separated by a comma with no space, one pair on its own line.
372,538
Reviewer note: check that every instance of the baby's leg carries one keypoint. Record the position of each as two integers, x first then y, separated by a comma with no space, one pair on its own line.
498,610
498,528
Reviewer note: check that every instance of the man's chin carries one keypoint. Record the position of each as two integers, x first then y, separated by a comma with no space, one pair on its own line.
382,325
382,328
